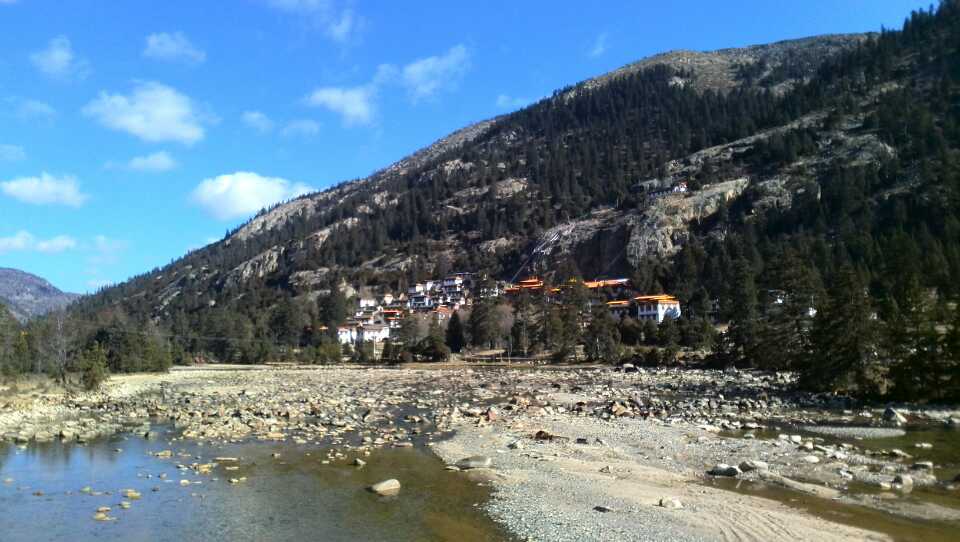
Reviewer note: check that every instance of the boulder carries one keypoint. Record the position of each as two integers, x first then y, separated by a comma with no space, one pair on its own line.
475,462
753,464
722,469
671,503
891,415
386,487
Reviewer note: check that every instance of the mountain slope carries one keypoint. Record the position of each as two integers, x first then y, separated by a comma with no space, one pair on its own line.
789,143
27,296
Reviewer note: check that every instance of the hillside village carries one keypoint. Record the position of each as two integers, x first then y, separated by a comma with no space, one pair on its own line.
378,318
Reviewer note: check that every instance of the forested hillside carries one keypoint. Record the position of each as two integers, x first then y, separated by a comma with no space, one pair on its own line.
823,178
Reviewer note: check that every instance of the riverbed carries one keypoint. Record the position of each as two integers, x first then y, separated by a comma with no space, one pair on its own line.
566,454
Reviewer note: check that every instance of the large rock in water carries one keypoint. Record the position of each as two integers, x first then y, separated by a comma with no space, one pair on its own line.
475,462
386,487
892,415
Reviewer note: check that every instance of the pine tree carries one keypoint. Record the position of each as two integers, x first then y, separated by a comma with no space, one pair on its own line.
483,326
94,367
742,333
602,338
845,340
455,337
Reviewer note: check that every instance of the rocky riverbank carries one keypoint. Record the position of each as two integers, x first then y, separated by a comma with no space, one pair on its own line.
573,454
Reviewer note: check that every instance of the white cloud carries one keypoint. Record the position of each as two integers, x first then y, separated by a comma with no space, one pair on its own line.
354,104
301,127
340,25
155,162
25,241
35,109
427,76
59,243
599,45
511,102
173,47
12,153
59,61
244,193
45,190
22,240
153,112
257,121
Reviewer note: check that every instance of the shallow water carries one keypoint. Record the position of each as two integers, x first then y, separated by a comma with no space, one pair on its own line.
291,497
945,454
897,528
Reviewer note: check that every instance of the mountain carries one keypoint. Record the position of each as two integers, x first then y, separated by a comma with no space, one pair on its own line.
837,150
27,296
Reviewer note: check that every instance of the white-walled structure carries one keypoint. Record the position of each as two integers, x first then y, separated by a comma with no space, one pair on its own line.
657,307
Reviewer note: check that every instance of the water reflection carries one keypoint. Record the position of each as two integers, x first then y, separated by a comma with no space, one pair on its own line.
293,496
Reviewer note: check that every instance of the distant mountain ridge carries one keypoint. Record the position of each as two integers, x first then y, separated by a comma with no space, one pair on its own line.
28,296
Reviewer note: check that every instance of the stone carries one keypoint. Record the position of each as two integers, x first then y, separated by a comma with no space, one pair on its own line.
103,509
475,462
131,494
922,465
359,462
603,509
812,459
905,481
892,415
923,445
102,516
722,469
125,505
898,453
796,439
753,464
386,487
671,503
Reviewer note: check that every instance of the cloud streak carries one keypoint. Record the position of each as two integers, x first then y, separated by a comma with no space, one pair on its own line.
45,189
175,47
424,78
58,60
24,241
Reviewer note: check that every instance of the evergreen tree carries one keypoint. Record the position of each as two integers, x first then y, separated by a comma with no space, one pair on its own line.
744,325
845,340
602,338
455,337
93,366
482,324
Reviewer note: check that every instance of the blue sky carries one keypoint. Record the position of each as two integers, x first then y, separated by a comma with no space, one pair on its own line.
132,132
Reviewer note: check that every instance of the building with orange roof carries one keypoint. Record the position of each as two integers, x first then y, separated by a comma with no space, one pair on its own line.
657,307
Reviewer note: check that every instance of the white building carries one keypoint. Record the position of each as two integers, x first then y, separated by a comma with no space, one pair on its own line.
374,333
657,307
421,302
347,334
